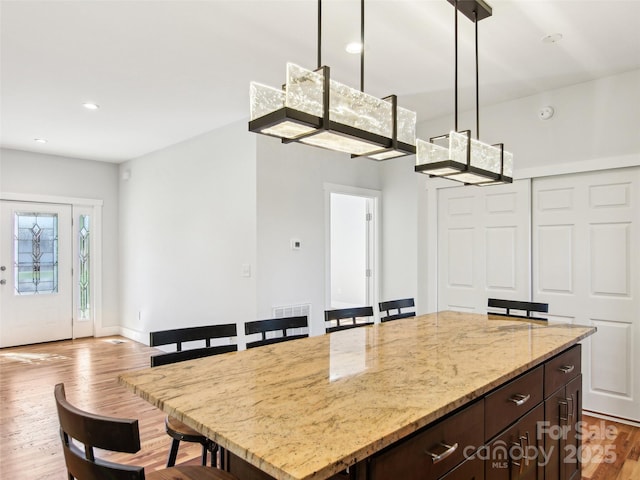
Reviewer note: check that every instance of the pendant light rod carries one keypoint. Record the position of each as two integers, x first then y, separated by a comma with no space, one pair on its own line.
455,101
362,45
319,34
475,20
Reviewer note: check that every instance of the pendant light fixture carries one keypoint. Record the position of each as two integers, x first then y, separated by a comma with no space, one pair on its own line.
456,155
315,110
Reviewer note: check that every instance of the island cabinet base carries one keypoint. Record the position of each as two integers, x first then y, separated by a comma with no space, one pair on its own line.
526,429
434,451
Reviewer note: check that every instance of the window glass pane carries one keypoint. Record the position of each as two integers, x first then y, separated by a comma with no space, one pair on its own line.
84,264
35,253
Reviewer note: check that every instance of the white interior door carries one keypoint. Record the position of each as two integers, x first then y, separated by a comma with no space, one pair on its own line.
35,269
483,245
350,250
586,236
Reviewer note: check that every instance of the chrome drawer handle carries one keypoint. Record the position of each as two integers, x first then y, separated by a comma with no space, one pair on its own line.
524,449
567,368
439,457
520,399
570,407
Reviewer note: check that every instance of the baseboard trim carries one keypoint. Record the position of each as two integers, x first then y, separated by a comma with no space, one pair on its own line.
611,418
107,332
134,335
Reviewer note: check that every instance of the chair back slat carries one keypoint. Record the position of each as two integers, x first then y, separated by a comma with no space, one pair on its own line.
83,469
509,305
174,357
270,341
275,325
390,306
192,334
95,431
349,315
397,316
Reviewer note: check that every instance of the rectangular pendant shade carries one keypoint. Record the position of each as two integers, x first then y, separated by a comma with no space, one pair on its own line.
464,159
356,123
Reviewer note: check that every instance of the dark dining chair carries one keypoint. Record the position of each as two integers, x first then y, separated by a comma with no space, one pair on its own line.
113,434
225,336
281,326
345,318
392,309
508,305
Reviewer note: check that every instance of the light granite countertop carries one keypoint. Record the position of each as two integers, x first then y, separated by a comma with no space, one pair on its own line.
307,408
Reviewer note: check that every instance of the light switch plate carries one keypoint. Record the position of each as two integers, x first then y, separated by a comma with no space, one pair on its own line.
246,270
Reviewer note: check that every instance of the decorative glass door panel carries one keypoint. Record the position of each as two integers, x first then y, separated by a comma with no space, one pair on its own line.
35,262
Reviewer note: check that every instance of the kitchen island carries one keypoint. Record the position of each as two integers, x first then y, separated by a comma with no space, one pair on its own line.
307,409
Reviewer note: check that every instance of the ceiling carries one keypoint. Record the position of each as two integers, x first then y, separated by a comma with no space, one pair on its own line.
166,71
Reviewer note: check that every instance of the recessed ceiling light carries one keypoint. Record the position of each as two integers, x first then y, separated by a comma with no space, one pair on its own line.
552,38
40,140
354,47
91,106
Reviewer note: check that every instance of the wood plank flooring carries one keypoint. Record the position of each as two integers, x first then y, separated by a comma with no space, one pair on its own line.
89,368
30,443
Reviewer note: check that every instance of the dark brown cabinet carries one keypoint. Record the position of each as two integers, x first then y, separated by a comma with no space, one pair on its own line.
434,451
562,415
510,402
514,454
471,469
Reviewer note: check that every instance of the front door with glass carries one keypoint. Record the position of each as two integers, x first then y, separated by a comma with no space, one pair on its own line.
35,273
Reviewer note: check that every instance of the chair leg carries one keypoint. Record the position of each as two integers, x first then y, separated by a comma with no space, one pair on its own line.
204,454
213,448
222,455
173,453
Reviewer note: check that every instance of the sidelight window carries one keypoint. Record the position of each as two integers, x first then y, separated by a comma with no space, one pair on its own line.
84,262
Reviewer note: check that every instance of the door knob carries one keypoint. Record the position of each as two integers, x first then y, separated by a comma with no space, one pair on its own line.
3,282
3,268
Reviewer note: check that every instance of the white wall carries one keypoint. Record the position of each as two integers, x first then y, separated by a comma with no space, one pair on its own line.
290,182
400,186
187,227
37,174
596,126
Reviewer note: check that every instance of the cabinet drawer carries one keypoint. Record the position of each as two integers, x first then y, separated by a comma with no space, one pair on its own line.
562,369
513,400
414,458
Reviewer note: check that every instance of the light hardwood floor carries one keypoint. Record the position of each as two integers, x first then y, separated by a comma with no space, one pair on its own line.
30,443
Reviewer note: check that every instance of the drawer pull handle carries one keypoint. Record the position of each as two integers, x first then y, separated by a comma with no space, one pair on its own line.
439,457
524,458
570,407
564,417
520,399
567,368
